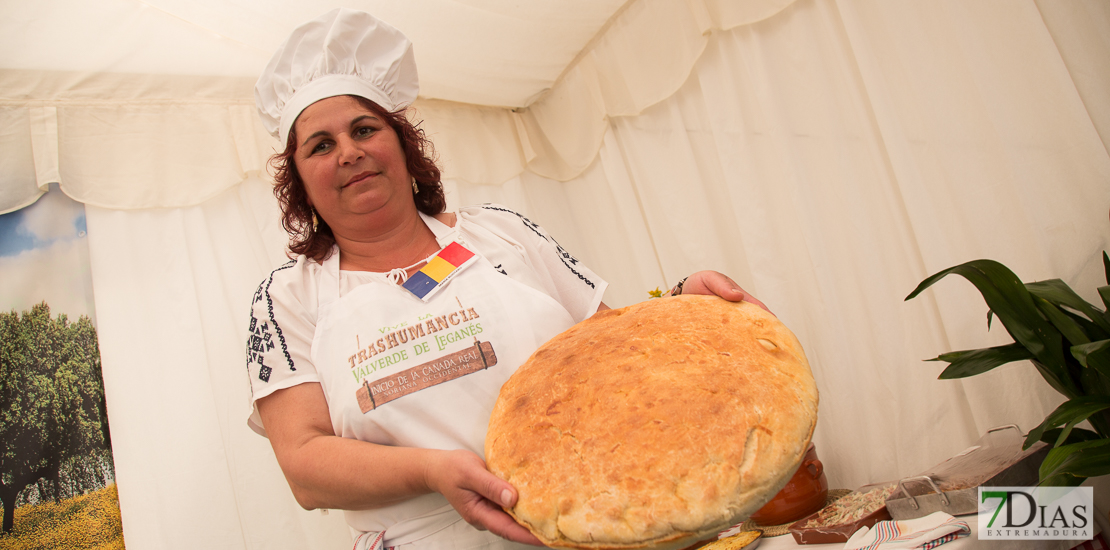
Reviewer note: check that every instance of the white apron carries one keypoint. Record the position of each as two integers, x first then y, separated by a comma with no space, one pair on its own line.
398,370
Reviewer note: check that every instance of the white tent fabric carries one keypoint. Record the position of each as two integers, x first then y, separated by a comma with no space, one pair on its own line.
827,154
82,127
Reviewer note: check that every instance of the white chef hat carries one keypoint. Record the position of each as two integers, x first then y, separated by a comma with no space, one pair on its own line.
343,52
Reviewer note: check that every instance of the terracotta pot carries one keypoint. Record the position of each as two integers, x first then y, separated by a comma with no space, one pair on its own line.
803,495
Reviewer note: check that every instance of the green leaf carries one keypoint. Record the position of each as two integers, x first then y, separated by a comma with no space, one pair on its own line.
1095,355
1104,293
1069,328
977,361
1081,460
1095,378
1106,266
1056,456
1062,480
1055,378
1093,331
1060,294
1065,433
1069,413
1008,298
1053,435
1094,382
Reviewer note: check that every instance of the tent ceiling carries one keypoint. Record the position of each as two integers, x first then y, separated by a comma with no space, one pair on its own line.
485,52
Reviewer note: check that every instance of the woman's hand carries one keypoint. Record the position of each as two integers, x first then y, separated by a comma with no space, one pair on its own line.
326,471
717,284
477,495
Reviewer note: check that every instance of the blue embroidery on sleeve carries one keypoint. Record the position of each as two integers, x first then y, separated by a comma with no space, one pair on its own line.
262,333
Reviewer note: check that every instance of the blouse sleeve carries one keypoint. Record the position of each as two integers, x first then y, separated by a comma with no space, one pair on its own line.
556,271
282,325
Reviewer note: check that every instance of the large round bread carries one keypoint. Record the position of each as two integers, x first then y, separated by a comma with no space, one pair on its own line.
655,425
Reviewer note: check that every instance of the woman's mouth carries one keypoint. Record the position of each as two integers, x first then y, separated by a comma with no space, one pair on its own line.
360,177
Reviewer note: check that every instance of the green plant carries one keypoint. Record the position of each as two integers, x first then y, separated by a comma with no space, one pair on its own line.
1068,340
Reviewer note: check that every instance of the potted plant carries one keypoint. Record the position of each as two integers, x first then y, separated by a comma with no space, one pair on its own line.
1068,340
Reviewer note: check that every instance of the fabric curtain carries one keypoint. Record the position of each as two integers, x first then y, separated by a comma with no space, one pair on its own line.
828,157
171,287
200,136
832,157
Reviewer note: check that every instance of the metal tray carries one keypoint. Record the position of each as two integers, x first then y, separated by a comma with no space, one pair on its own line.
1005,464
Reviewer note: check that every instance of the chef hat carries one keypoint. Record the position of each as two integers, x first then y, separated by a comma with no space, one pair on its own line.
343,52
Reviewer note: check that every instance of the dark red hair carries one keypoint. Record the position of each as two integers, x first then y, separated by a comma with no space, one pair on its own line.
297,215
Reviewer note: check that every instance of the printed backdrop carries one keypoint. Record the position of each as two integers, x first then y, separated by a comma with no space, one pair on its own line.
57,482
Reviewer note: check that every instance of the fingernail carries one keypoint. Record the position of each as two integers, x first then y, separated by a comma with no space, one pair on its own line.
506,497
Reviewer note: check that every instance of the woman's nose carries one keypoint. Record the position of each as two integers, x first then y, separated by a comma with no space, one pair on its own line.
349,152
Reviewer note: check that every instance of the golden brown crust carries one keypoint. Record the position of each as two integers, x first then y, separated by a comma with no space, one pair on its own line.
735,542
653,425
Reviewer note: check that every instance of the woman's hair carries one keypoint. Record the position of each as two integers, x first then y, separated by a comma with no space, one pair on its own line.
297,215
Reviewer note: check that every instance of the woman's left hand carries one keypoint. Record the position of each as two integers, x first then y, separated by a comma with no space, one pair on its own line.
718,284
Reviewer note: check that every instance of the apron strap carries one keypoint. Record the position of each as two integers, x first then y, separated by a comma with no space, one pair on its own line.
328,285
444,234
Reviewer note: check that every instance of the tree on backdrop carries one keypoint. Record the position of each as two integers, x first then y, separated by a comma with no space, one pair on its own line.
53,421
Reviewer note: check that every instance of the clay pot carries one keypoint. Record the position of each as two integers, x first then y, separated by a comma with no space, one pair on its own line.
803,495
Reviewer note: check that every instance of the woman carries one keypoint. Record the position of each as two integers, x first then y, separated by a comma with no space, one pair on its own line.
377,354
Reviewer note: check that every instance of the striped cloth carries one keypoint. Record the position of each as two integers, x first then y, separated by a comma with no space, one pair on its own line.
926,532
1097,543
370,541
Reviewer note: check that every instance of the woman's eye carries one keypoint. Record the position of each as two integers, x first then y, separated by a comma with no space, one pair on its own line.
364,131
320,147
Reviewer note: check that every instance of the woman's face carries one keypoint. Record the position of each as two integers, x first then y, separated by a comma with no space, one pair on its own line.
350,161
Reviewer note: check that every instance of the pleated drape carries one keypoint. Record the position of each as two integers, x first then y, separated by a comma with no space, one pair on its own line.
171,286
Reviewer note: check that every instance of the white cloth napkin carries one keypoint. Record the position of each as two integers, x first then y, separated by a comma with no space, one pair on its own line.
924,532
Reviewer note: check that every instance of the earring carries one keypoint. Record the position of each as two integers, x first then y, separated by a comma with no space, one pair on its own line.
315,221
415,189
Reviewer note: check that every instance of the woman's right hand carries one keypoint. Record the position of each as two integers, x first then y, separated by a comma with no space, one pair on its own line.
326,471
477,494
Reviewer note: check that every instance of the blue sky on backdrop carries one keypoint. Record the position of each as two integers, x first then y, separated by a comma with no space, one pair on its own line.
44,256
